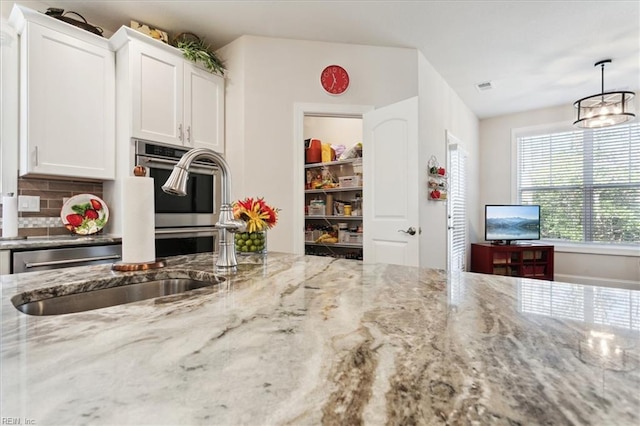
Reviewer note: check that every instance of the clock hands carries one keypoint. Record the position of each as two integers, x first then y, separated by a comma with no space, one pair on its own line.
335,81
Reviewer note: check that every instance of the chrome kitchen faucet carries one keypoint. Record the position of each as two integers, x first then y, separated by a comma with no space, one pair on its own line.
176,184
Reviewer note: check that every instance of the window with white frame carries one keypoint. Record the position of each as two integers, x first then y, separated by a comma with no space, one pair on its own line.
587,183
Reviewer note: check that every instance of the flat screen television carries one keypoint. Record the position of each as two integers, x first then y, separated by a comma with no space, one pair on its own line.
506,224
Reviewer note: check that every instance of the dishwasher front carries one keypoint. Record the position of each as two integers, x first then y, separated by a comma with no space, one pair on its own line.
45,259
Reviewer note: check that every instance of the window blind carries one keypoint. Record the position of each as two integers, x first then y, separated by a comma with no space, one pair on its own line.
457,208
587,183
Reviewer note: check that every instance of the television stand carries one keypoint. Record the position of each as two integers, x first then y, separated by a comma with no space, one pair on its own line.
521,260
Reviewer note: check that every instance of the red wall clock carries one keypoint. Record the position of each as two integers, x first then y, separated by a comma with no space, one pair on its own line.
334,79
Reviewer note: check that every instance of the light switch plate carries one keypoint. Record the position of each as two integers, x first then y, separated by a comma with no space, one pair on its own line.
28,203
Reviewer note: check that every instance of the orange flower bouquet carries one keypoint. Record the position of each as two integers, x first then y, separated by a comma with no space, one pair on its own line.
259,217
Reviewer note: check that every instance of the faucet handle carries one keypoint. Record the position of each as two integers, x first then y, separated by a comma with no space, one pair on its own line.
233,225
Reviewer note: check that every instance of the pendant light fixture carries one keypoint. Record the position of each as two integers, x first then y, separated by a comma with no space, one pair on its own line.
604,109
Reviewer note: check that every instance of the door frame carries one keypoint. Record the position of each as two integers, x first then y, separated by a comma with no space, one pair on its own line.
300,110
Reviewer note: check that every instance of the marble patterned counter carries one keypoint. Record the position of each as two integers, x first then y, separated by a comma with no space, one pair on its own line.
303,340
57,241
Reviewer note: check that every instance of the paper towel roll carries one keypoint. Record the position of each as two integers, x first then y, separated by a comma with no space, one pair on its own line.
10,216
138,224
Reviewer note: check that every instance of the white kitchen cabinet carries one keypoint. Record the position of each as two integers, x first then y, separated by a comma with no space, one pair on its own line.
173,100
203,108
156,93
67,99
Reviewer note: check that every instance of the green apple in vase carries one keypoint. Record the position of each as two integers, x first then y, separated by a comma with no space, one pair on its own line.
88,218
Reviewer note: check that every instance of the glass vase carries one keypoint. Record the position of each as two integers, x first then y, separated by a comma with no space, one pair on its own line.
251,242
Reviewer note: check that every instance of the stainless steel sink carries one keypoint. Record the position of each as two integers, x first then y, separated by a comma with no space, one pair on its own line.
102,298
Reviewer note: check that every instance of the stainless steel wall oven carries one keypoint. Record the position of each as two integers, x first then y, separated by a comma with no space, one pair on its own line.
183,224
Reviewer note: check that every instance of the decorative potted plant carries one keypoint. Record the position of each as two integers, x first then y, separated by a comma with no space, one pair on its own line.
259,217
197,50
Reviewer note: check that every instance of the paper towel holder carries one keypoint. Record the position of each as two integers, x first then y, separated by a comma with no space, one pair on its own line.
139,171
13,237
126,267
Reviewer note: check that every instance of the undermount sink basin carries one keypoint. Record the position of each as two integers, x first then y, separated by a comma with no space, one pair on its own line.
102,298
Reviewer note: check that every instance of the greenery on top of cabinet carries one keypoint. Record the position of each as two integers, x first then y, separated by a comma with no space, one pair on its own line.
197,50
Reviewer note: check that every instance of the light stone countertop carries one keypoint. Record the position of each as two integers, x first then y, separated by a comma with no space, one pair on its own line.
305,340
57,241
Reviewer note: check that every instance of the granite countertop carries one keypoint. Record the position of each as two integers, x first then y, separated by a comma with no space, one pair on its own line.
36,243
316,340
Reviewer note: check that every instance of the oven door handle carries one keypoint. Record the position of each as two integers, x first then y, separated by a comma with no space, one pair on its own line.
29,265
185,232
161,163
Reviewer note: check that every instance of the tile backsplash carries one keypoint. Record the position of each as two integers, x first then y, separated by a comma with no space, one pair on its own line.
52,195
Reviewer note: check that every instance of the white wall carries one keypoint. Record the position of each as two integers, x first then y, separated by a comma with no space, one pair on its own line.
266,78
442,110
496,174
334,130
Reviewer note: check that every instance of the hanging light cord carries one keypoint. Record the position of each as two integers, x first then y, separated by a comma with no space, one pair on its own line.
602,77
602,63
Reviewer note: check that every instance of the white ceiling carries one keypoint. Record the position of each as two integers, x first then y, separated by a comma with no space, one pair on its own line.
536,53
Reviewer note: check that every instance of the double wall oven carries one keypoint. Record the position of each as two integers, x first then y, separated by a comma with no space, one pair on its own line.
184,225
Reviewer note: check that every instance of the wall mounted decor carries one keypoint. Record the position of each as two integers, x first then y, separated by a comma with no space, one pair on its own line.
334,79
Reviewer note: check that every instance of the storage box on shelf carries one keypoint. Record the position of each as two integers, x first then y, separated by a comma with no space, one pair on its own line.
525,260
333,195
349,181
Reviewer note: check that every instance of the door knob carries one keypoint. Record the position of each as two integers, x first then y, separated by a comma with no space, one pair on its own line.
410,231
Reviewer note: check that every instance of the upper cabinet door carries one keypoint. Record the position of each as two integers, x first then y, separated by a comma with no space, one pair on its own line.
157,98
67,117
203,108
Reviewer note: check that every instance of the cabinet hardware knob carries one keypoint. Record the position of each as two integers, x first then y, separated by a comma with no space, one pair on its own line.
180,136
189,134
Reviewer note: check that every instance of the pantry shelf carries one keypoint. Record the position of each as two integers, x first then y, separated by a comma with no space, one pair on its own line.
345,245
322,191
332,163
312,216
333,208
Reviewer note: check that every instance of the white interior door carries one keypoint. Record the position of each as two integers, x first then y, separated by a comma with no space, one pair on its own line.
390,169
457,206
